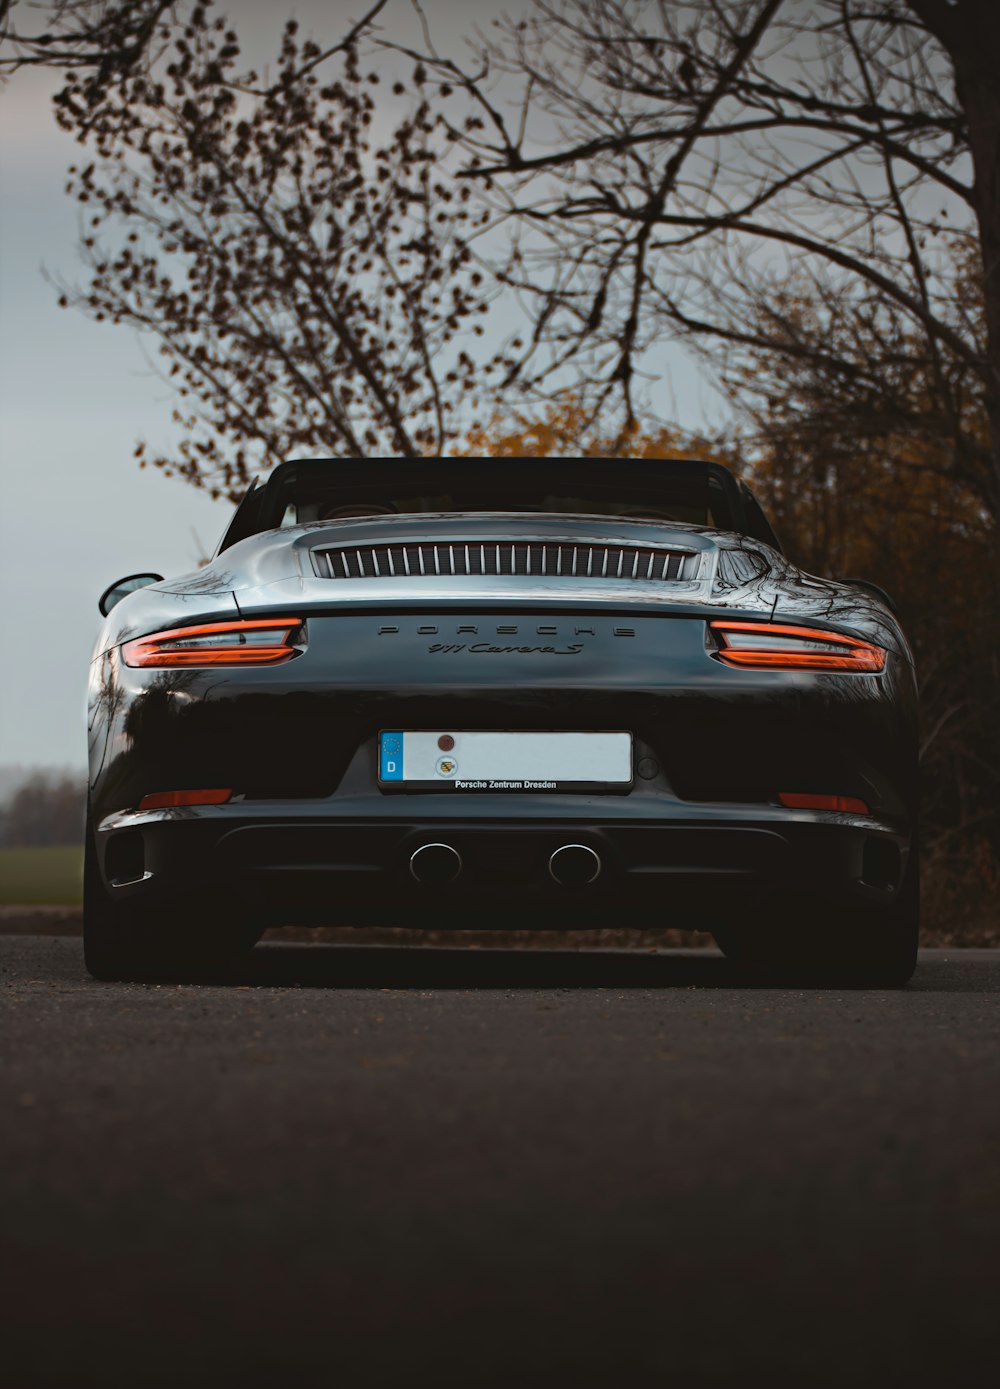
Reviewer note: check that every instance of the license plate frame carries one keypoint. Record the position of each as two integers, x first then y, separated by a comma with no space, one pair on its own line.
505,761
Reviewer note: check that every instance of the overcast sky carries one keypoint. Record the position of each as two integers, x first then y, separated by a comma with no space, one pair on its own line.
75,396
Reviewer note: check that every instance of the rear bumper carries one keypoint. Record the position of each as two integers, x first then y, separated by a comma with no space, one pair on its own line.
299,864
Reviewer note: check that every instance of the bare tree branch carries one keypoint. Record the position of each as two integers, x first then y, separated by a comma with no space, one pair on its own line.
309,290
656,186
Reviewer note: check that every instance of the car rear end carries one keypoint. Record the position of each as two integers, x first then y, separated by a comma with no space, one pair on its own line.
502,720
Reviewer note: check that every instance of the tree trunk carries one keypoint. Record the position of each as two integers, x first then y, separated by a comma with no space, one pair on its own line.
969,30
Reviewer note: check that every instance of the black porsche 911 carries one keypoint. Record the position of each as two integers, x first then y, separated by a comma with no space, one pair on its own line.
477,692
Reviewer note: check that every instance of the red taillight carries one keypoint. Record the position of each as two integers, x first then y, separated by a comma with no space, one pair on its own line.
795,800
772,646
257,642
166,800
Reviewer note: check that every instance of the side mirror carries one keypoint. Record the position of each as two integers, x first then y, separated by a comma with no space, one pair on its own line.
121,588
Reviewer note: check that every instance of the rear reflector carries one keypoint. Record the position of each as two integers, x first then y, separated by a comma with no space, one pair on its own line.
165,800
775,646
796,801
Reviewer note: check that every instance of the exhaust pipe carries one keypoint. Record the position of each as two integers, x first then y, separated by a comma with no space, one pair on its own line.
574,865
435,863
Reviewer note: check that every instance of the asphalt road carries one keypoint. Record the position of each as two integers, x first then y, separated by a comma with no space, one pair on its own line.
383,1167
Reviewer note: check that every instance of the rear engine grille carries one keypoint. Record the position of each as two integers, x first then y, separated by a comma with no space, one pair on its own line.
463,559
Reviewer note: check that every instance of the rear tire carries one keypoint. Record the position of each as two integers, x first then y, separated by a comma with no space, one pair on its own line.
129,940
865,943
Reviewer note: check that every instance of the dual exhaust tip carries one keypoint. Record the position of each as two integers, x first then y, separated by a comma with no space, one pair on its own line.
435,863
571,865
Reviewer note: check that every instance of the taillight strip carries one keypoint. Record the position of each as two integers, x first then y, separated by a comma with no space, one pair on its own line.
853,654
153,651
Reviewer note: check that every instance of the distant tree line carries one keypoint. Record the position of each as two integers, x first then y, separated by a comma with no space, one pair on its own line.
47,808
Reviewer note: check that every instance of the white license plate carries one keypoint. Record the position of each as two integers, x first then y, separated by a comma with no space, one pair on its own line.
448,759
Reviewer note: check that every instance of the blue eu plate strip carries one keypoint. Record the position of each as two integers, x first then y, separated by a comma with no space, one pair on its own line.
391,757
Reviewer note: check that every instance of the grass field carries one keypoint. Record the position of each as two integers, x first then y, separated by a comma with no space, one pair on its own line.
51,874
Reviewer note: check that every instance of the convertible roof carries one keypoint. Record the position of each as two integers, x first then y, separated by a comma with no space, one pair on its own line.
490,482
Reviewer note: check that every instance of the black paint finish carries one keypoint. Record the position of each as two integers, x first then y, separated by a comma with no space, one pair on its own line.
297,742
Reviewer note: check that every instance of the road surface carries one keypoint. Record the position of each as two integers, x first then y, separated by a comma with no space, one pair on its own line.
372,1166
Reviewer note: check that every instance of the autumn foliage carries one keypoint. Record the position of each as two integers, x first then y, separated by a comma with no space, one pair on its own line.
567,429
290,246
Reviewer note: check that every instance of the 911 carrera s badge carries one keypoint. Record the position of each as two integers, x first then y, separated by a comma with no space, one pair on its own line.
485,648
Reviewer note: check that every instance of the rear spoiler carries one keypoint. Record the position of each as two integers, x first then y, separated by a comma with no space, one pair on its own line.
245,518
263,505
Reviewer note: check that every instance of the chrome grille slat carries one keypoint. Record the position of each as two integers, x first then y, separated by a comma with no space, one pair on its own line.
533,558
